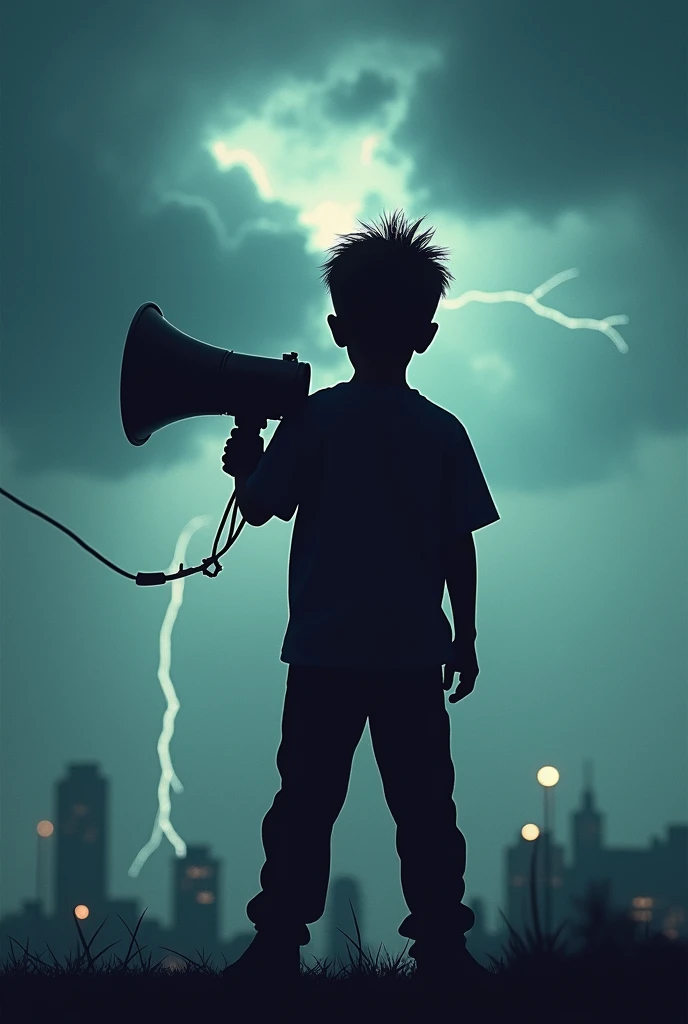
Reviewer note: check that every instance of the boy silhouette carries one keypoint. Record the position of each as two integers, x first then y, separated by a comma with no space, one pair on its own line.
389,492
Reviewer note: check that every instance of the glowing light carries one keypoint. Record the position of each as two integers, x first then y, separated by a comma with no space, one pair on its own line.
367,147
643,901
674,917
530,832
227,157
530,299
81,911
329,219
170,963
548,776
168,777
45,828
204,896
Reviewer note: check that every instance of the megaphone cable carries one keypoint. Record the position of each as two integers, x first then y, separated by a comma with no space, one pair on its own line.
153,579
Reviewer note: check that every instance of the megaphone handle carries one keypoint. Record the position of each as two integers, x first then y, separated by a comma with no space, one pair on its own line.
250,424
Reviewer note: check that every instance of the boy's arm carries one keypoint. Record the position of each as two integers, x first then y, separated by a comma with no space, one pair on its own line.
252,511
462,582
278,476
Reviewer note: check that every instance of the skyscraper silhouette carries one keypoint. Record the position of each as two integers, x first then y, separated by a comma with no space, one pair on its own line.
82,801
195,898
587,837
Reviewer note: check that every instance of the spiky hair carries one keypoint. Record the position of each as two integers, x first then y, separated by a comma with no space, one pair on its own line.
384,274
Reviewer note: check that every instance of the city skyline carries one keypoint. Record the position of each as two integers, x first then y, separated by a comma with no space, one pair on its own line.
649,884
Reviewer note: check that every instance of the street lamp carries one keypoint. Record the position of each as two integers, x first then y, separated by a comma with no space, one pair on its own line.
548,778
44,829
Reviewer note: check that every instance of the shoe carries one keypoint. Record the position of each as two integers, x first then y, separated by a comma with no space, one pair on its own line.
269,958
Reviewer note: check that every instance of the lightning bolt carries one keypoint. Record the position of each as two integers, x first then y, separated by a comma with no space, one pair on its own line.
530,299
168,776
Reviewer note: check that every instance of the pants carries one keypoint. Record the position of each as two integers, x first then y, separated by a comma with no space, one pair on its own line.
325,713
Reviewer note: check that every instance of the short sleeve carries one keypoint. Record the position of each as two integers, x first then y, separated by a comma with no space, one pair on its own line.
278,481
471,503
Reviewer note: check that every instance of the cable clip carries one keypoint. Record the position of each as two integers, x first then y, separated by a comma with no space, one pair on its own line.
211,561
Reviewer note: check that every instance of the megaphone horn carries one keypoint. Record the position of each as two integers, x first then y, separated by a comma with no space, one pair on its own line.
168,376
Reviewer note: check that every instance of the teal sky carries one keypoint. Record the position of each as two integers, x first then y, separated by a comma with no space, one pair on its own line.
205,160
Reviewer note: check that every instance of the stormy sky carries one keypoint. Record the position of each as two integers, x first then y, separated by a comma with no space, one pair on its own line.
204,155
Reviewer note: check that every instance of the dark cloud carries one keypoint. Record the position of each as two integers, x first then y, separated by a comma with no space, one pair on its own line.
355,101
83,260
100,118
536,108
542,107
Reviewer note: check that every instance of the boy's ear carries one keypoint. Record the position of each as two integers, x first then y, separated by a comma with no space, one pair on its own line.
335,327
423,345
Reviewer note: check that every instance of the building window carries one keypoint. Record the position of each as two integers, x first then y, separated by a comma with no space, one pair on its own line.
204,896
643,902
198,871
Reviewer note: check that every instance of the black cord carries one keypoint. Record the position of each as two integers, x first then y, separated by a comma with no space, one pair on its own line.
152,578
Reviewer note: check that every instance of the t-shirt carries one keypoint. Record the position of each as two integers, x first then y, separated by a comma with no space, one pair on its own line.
383,480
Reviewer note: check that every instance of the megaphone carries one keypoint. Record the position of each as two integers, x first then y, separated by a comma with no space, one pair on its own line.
167,376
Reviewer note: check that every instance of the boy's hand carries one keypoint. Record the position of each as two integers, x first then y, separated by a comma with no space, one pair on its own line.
464,661
243,452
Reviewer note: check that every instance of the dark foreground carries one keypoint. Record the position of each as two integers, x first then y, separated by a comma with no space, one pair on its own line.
610,973
647,982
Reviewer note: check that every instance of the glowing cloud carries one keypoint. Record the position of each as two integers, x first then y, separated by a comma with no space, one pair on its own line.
329,173
367,147
227,157
328,219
